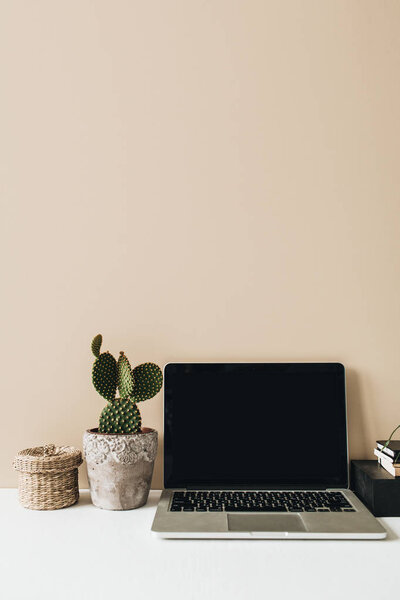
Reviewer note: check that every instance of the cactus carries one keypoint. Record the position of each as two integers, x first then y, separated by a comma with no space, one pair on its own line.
104,375
148,379
125,376
121,415
96,345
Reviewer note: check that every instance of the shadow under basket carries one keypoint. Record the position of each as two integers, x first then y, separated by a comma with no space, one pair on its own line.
48,476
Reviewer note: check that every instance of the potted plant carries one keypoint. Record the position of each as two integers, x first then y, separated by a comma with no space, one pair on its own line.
120,453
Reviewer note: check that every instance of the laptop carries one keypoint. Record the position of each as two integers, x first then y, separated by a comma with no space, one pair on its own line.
258,450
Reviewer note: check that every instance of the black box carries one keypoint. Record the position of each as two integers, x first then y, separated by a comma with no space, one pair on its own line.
376,488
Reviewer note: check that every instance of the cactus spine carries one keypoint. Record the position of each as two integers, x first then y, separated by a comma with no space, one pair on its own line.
121,415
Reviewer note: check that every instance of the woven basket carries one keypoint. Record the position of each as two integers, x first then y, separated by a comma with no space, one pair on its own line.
48,476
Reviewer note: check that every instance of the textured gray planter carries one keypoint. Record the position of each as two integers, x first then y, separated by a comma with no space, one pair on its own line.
120,467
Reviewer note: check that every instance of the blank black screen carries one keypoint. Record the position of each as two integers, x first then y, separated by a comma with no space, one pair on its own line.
262,425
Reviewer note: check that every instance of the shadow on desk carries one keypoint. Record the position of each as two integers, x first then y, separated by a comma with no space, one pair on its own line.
85,500
391,535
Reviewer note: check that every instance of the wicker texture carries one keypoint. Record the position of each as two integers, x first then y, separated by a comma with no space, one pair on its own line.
48,476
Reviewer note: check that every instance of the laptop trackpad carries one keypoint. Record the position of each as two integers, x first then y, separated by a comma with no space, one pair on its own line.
265,523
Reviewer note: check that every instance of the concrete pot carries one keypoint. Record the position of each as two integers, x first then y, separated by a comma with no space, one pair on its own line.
120,467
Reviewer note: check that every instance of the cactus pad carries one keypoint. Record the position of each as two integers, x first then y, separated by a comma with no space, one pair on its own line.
96,345
125,377
148,379
105,375
120,416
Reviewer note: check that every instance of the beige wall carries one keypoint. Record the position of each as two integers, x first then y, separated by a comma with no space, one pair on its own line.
197,180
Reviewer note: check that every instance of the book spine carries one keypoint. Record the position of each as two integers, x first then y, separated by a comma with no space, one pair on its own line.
386,451
386,464
384,456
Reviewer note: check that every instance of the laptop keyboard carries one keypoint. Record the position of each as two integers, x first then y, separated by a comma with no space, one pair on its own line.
234,501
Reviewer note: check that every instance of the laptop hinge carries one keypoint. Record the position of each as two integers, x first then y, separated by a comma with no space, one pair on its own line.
258,488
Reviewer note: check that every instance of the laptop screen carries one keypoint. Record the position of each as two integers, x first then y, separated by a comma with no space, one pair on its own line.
255,426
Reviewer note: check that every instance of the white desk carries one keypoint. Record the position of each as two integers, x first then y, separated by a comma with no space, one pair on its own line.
84,553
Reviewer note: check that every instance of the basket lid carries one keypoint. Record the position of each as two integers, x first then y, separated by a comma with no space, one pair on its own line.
47,459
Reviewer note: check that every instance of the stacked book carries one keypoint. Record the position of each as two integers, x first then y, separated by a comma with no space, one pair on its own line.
389,456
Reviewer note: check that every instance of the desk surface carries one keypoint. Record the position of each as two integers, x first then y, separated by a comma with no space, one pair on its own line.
84,553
